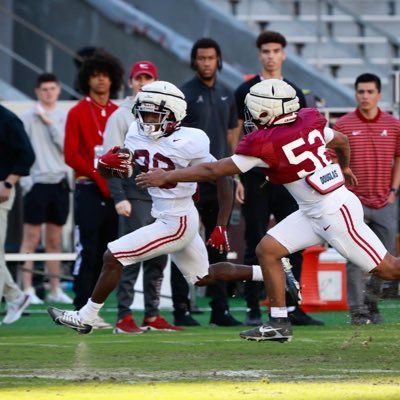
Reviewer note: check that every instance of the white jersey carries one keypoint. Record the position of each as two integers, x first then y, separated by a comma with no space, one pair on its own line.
183,148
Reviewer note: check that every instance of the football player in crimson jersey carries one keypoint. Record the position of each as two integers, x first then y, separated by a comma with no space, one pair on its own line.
156,139
291,146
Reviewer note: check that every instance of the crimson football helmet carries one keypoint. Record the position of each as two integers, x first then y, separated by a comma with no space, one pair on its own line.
165,100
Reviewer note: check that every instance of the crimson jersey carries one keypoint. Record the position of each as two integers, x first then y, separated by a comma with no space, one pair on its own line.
291,151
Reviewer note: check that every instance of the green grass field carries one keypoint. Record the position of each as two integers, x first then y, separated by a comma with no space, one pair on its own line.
42,361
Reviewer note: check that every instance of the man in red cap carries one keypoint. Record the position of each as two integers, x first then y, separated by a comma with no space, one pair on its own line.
142,72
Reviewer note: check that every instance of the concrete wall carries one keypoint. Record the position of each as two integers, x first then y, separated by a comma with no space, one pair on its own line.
75,24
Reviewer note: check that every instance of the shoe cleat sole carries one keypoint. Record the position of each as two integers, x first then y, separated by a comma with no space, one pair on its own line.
261,339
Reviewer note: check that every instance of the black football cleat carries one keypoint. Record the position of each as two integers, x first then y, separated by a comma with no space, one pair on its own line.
277,329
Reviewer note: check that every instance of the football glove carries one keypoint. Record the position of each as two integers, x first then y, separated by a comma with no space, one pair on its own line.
219,239
292,286
118,161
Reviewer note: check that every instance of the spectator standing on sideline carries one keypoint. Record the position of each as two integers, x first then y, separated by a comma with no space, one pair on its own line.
211,108
95,217
16,158
133,205
291,146
374,138
46,189
261,199
157,140
81,55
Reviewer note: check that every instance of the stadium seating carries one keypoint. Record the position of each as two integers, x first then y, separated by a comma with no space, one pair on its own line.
341,38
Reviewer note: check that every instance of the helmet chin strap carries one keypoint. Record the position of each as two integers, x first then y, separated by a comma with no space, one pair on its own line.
283,119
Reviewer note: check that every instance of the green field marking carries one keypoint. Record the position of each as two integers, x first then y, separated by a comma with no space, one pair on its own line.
336,361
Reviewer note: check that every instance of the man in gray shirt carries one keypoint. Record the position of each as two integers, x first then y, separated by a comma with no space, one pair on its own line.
46,190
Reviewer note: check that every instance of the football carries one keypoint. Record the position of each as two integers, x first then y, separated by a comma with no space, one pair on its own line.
126,168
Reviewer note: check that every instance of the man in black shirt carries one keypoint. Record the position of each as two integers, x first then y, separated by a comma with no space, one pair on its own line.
260,199
16,158
211,107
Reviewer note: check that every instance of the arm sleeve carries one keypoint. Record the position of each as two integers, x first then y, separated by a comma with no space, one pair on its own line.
21,147
240,95
73,148
328,134
233,115
71,143
115,131
245,163
57,134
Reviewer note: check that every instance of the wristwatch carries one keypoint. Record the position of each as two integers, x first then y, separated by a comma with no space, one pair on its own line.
8,185
394,190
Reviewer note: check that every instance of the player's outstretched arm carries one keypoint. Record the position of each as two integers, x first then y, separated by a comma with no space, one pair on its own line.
340,144
226,272
199,173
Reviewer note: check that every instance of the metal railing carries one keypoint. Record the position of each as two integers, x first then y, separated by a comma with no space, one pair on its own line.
50,44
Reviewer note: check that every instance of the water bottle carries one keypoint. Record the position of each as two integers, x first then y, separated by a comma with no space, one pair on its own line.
98,151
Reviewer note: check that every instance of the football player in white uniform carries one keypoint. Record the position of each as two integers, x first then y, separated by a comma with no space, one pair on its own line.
291,146
156,140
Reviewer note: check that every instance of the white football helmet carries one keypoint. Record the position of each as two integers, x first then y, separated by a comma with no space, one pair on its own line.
162,98
267,101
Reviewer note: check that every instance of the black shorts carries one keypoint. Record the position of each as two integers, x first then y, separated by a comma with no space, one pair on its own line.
47,203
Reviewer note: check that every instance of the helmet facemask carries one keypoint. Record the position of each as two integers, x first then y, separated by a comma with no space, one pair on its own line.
249,122
167,104
162,121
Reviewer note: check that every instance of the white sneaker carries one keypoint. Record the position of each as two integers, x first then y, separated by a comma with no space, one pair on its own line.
16,308
99,323
59,297
34,299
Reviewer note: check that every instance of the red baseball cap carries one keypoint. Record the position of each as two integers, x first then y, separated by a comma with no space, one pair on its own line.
144,67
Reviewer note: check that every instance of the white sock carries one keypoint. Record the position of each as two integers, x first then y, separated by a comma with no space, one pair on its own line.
90,311
278,312
257,273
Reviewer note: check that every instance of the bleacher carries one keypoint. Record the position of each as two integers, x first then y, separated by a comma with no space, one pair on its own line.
341,38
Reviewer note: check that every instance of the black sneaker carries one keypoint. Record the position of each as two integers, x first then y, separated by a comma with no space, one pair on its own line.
360,319
184,319
224,318
374,314
277,329
299,317
253,317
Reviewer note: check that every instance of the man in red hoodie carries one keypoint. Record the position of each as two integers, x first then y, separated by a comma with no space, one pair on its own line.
95,217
